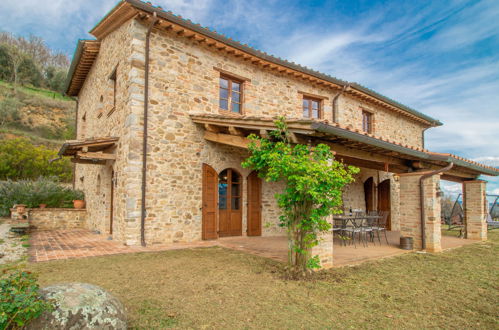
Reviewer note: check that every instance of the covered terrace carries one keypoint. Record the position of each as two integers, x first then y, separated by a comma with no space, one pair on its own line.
417,173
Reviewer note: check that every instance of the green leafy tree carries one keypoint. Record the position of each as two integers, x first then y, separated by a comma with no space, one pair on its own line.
5,66
19,159
29,73
55,78
313,189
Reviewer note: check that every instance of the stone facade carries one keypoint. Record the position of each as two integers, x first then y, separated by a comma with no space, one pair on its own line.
475,209
54,218
184,79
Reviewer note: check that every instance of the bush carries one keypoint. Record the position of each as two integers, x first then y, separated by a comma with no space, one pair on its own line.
19,159
33,193
20,301
9,110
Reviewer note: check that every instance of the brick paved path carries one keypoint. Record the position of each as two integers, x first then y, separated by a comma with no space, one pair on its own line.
80,243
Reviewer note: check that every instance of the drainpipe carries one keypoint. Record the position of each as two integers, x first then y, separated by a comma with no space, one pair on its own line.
423,137
76,138
421,199
335,103
144,140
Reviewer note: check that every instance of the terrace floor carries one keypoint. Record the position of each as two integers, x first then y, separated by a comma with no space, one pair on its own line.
67,244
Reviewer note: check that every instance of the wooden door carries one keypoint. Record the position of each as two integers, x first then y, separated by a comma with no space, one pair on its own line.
230,220
209,202
254,205
111,211
384,203
369,194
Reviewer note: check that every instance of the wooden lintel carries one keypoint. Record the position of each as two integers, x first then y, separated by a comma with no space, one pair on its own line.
88,162
96,155
231,140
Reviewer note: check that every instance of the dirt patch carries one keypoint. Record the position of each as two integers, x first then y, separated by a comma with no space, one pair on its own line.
12,248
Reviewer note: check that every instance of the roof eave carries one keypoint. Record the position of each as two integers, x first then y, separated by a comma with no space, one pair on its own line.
325,128
74,65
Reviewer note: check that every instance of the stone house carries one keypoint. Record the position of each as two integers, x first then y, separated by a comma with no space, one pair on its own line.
164,110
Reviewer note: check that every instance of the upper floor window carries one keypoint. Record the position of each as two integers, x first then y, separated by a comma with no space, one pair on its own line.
367,121
311,108
231,94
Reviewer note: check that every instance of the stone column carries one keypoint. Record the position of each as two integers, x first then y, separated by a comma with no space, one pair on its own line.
325,249
475,209
410,210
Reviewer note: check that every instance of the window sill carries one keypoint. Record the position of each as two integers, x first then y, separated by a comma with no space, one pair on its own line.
230,113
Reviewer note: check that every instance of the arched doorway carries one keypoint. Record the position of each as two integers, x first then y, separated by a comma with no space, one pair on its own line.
369,194
384,202
229,203
254,205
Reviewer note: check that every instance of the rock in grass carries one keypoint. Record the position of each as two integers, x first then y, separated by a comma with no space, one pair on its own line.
80,306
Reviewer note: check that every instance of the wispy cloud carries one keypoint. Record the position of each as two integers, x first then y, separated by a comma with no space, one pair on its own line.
441,58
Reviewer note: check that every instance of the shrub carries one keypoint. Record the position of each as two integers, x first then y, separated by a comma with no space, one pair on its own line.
9,110
20,301
33,193
19,159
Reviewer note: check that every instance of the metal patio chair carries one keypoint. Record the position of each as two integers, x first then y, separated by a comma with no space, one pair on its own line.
381,225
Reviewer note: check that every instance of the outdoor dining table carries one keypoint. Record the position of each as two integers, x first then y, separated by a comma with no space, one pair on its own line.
346,218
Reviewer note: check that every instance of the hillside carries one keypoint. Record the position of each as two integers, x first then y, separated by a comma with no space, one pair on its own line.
44,117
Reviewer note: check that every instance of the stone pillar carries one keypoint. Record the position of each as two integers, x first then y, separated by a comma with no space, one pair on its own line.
325,249
475,209
410,210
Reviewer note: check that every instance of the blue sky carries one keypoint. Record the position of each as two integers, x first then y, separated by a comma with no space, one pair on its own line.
439,57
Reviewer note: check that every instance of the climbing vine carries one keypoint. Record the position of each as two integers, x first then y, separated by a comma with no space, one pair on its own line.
313,180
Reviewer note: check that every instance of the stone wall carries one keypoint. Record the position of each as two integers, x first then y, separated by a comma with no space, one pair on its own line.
103,118
55,218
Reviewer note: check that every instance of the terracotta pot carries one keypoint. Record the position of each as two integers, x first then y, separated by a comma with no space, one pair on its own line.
78,204
42,206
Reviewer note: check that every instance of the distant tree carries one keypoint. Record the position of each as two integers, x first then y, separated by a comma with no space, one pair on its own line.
16,58
5,67
29,73
30,61
55,78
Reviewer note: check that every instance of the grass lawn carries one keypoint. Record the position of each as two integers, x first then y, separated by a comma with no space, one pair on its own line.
219,288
